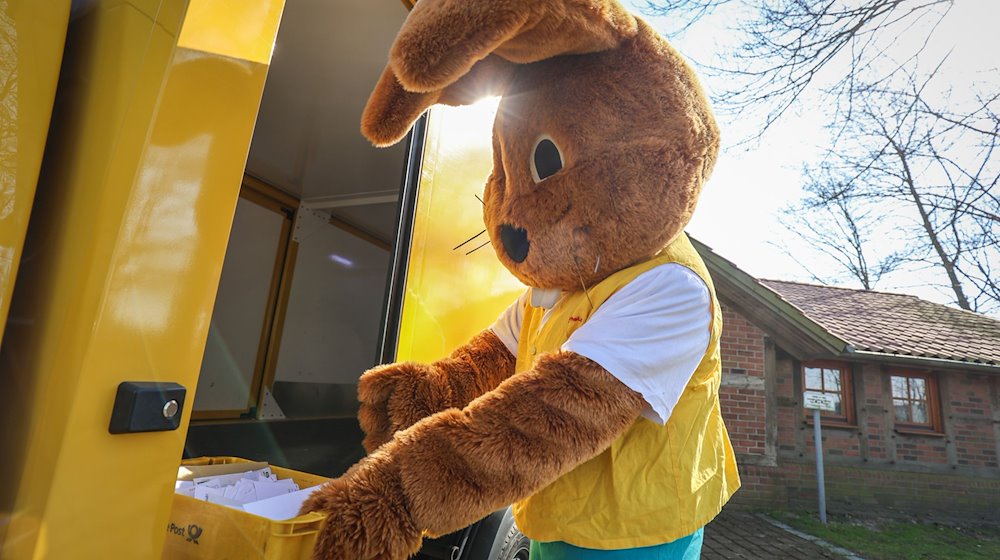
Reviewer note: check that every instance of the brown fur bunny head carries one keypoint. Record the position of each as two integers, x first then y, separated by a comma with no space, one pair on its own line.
602,141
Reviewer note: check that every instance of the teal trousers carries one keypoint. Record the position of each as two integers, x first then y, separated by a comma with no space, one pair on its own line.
684,548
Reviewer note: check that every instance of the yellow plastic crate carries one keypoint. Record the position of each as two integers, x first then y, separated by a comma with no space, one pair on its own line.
199,529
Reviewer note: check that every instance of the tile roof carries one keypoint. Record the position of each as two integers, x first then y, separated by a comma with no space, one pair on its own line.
896,323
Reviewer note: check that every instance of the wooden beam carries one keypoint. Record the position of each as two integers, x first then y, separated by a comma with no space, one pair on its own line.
361,233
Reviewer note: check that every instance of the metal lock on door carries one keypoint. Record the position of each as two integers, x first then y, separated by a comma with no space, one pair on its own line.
143,406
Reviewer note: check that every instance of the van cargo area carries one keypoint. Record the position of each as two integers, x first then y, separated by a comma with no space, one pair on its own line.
301,310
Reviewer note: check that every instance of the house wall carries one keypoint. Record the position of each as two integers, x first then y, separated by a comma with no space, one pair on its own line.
743,392
869,466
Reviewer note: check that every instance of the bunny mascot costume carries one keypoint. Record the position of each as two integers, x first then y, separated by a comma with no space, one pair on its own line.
592,403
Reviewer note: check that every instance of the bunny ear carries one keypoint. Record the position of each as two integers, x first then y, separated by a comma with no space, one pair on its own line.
458,51
391,110
443,39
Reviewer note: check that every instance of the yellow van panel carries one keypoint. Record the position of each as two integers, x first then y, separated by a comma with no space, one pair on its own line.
32,35
141,180
218,27
451,295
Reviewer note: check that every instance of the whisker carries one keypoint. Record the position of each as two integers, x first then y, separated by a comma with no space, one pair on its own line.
576,263
469,239
478,248
480,200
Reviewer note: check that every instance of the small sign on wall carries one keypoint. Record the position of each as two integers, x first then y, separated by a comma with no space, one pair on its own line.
815,400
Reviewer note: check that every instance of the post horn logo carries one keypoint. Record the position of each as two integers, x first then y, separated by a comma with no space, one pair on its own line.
194,533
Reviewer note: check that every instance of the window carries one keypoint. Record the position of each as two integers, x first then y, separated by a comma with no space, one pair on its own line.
915,401
833,380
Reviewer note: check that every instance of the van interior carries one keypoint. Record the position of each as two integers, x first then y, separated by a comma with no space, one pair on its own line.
302,300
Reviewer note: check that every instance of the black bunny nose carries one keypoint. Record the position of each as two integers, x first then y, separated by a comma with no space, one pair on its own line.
515,242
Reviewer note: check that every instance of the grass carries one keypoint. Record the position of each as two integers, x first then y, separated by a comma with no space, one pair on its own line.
897,540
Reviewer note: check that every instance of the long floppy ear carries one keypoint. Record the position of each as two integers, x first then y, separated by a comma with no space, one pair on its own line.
391,110
458,51
443,39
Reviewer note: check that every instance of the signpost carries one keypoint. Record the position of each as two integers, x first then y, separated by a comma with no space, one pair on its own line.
819,401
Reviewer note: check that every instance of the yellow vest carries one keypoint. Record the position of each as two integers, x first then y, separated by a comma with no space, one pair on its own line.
655,484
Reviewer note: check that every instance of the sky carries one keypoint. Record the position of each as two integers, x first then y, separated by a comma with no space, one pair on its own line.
740,206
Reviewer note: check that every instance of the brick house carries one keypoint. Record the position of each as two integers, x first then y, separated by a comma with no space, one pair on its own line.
917,384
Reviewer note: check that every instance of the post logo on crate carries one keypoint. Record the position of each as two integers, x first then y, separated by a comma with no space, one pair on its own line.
191,533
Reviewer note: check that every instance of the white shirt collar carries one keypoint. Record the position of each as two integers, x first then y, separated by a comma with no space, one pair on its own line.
545,298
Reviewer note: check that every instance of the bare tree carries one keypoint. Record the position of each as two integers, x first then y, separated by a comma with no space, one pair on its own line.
790,46
909,182
900,160
842,229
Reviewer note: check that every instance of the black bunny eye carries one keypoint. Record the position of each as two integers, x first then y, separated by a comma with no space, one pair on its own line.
546,160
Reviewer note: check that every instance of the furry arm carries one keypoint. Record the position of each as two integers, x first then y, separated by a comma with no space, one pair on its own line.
454,467
396,396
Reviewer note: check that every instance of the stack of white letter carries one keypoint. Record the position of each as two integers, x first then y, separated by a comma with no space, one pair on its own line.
258,491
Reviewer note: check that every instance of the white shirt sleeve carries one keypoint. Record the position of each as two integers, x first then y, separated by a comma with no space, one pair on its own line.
507,327
651,335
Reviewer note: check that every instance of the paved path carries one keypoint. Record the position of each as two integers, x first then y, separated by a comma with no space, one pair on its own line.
737,534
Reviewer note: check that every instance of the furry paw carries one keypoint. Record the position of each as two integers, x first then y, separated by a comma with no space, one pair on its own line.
394,397
367,516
